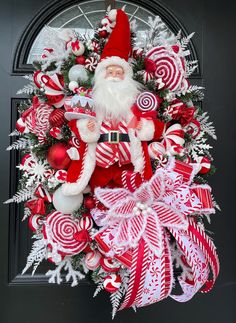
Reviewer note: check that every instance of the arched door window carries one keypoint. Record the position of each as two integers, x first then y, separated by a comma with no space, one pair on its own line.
83,17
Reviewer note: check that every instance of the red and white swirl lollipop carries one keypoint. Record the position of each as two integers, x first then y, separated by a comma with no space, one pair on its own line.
157,151
194,128
61,230
173,137
35,221
112,283
92,259
38,121
74,141
147,101
91,63
170,67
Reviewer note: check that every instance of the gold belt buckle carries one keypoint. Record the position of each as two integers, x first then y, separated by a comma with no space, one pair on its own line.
113,137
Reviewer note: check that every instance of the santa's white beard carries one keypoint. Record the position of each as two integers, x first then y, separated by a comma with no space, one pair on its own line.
113,98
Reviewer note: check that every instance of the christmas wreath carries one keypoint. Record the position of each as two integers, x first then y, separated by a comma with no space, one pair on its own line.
114,165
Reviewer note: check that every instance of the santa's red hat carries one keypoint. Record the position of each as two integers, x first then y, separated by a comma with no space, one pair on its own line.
118,46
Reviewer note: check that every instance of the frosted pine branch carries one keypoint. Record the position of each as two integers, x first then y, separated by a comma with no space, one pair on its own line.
191,67
21,143
27,213
72,274
197,91
179,35
14,133
117,296
198,146
116,300
37,255
99,288
185,41
27,89
29,77
206,125
22,195
55,275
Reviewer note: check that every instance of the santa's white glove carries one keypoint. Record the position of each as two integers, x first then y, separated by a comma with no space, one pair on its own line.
89,130
145,129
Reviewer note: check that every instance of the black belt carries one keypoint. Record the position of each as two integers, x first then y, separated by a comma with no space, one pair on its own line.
114,137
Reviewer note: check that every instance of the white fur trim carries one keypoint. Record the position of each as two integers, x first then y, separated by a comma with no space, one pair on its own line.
136,152
146,133
82,182
115,60
85,133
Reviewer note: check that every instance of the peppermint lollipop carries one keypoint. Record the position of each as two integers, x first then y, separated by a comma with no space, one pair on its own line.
35,220
112,283
109,265
147,101
92,259
37,120
170,67
61,229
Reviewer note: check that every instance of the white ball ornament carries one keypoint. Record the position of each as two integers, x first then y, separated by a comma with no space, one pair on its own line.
92,260
78,72
66,204
78,49
73,85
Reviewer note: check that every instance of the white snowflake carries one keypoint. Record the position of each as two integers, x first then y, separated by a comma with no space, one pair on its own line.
36,171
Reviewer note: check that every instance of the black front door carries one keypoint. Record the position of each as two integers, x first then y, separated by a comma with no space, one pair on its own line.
26,299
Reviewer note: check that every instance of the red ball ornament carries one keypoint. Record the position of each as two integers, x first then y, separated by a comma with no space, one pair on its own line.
57,156
57,118
80,60
89,202
103,34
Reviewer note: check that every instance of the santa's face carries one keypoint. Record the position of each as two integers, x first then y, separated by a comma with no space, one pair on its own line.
114,93
115,72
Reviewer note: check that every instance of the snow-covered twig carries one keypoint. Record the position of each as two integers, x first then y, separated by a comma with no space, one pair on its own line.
99,288
21,143
37,255
22,195
206,125
74,275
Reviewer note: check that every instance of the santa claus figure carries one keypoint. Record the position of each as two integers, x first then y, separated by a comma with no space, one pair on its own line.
113,150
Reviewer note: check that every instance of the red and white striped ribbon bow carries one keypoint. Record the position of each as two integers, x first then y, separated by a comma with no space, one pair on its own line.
164,201
137,222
